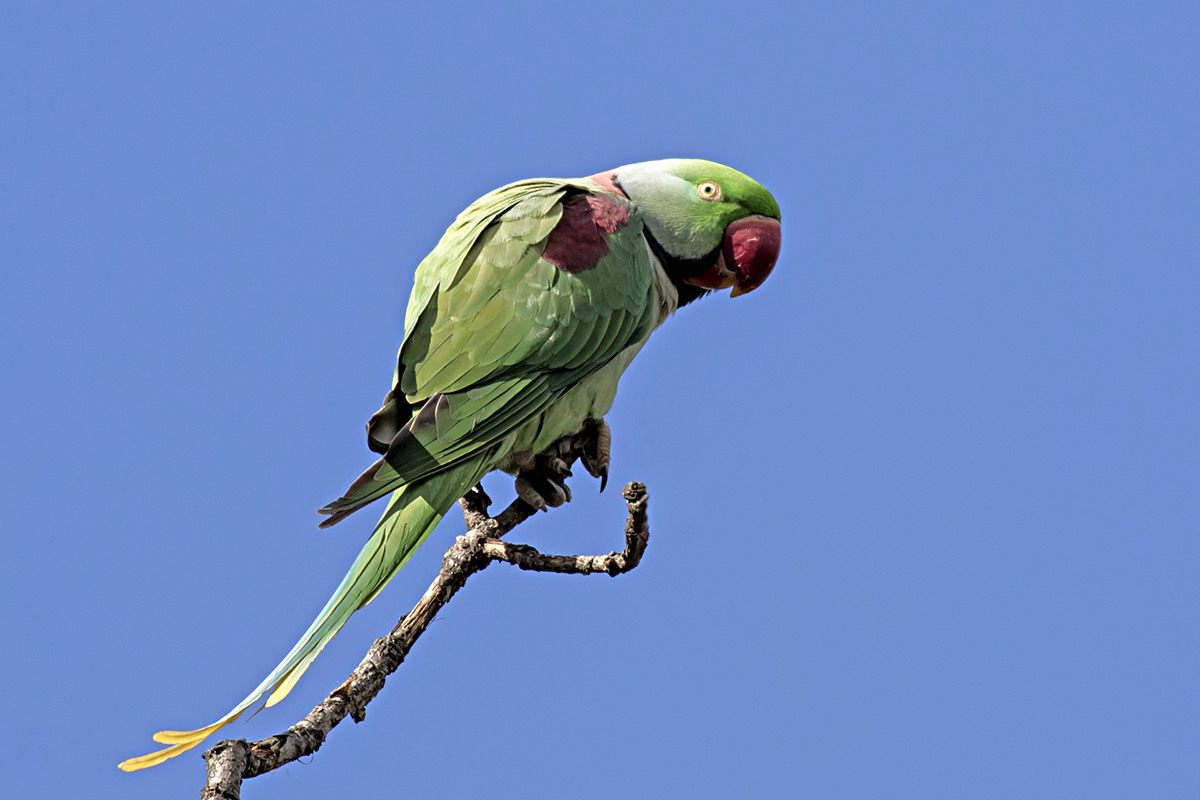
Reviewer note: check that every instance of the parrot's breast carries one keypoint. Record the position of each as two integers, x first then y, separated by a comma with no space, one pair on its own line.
593,396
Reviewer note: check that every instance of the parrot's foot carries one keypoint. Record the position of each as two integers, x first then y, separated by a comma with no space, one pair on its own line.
545,485
543,481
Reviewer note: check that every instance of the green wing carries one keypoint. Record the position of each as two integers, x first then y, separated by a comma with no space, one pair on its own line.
496,332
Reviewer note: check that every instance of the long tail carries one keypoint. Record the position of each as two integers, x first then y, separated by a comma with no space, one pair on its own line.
411,515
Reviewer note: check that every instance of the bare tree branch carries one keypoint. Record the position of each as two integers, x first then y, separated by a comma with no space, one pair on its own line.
231,761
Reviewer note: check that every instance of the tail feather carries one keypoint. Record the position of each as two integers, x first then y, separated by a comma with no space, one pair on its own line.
411,515
366,489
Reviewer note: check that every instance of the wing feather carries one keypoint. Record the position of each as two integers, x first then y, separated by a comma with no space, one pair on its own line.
497,331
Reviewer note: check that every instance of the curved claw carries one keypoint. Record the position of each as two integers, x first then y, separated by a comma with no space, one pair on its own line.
596,453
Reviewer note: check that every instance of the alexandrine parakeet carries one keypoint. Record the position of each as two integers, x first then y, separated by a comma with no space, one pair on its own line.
520,323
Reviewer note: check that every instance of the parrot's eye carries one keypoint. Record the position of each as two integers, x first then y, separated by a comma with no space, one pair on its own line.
709,191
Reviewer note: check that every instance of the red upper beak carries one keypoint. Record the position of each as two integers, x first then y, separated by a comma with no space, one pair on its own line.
751,247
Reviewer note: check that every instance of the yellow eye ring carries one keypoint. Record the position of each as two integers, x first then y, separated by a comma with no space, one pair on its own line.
709,191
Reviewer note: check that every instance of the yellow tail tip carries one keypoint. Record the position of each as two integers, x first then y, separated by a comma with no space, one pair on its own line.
179,741
180,737
157,757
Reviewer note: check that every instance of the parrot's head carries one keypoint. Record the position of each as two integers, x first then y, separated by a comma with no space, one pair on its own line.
711,226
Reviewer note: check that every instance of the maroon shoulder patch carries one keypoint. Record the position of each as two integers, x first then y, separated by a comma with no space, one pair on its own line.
580,239
608,181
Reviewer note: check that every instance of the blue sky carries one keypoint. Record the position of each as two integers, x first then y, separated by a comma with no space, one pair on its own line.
924,508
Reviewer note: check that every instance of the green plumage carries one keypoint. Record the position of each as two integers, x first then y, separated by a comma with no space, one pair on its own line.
507,348
496,333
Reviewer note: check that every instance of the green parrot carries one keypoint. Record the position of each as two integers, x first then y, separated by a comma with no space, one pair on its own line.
520,323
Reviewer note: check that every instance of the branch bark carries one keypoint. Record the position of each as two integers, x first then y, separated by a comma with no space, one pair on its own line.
231,761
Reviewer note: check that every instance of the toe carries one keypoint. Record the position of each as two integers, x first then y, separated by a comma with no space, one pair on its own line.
530,495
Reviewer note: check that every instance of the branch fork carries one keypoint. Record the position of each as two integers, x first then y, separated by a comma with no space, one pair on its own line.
231,761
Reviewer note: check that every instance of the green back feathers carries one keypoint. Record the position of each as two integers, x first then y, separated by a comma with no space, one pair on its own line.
498,329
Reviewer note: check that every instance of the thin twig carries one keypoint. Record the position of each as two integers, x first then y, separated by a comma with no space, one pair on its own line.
231,761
